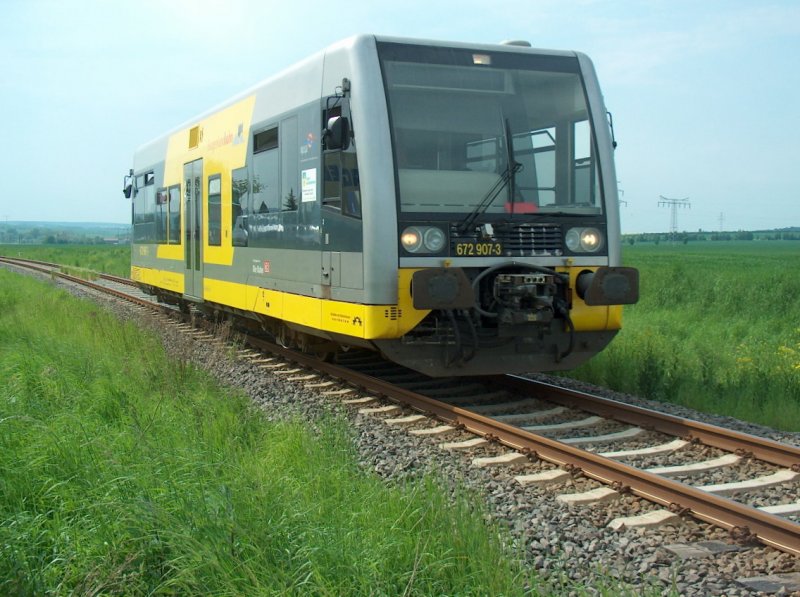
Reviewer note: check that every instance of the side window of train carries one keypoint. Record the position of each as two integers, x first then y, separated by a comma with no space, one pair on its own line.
215,210
144,209
174,235
266,184
341,189
162,215
240,202
138,208
584,174
290,157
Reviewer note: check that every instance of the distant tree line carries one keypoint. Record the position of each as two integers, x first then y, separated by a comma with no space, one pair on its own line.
46,235
703,236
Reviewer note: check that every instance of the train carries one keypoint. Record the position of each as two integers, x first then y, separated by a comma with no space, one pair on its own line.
452,206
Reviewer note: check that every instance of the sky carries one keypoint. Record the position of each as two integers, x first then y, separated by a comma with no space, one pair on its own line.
705,95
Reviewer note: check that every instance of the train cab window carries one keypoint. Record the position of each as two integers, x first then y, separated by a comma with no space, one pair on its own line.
162,215
341,189
144,209
583,165
174,198
215,210
542,177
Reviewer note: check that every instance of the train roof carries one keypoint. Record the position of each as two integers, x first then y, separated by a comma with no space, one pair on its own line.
349,44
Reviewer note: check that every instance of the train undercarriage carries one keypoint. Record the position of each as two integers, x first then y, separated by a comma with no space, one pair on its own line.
497,320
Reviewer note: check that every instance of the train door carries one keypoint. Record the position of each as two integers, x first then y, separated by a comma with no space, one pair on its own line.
193,221
342,263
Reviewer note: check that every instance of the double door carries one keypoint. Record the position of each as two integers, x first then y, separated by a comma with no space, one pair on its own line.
193,230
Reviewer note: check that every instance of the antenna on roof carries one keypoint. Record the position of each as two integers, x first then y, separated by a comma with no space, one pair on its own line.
516,42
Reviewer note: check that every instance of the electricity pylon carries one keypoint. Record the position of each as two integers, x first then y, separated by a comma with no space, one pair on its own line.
673,204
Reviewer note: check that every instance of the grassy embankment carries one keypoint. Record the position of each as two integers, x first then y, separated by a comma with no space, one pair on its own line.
124,472
109,259
717,329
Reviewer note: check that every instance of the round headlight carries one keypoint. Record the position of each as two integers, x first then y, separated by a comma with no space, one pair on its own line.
411,239
584,240
434,239
591,240
573,239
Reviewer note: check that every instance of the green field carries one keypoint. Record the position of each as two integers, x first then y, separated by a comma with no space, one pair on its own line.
109,259
124,472
717,328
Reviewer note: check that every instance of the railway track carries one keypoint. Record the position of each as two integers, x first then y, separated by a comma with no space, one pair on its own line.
547,433
520,413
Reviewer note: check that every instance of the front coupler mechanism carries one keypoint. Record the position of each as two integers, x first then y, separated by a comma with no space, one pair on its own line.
524,298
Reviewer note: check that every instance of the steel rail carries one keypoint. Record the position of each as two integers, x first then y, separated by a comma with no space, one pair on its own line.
726,439
30,264
769,529
117,279
110,277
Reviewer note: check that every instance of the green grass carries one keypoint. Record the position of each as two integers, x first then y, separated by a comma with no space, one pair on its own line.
122,471
109,259
717,328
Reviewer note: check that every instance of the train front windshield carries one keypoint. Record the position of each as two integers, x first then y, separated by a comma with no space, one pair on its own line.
497,132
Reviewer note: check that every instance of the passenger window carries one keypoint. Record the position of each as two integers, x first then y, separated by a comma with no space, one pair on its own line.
162,215
215,210
265,140
266,184
174,215
240,200
150,207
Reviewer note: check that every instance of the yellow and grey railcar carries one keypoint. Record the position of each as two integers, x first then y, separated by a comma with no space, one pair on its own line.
453,206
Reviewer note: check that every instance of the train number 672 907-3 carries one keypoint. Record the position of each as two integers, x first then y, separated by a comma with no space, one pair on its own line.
479,249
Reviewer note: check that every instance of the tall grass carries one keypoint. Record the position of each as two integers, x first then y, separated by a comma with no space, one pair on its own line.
717,328
124,472
108,259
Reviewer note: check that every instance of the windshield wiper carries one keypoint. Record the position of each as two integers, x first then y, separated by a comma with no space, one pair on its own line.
508,177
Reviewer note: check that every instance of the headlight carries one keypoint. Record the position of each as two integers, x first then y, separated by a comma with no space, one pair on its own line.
584,240
433,240
423,239
411,239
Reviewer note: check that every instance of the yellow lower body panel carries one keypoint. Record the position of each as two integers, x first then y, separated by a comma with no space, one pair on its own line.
173,281
351,319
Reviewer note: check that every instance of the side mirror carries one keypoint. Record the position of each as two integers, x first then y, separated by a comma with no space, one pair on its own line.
127,185
337,133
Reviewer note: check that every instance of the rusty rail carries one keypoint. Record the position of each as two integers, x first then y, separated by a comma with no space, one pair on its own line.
726,439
